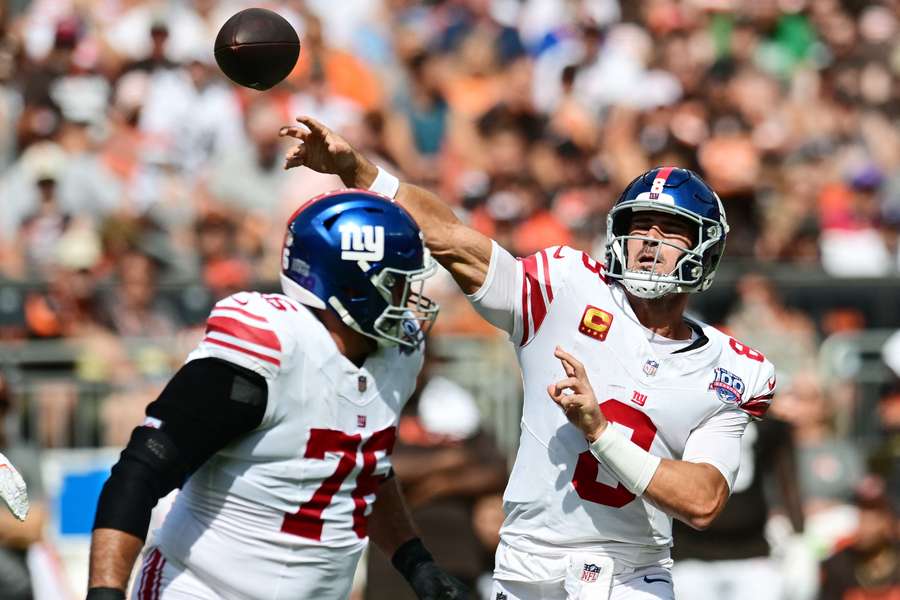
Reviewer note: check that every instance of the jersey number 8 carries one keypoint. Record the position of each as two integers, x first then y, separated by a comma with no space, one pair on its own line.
585,478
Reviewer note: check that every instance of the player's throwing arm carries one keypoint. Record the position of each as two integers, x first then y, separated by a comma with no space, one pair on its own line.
693,492
464,252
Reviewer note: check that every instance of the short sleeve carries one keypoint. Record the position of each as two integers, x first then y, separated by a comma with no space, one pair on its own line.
760,400
517,293
241,329
717,441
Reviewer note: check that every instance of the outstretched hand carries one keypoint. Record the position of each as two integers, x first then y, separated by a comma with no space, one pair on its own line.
323,150
575,396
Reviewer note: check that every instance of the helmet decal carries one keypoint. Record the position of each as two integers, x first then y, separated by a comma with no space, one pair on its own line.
361,256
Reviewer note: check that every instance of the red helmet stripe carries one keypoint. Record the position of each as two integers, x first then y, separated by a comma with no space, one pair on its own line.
664,173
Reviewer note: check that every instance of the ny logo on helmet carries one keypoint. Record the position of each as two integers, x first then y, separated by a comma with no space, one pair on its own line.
362,243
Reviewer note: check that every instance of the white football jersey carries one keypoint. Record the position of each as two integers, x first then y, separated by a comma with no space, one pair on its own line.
293,494
691,404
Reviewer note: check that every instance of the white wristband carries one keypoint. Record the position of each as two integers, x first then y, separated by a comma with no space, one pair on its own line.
631,464
385,184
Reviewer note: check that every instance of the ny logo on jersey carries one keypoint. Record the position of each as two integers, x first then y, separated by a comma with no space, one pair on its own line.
728,386
590,573
595,323
638,398
364,242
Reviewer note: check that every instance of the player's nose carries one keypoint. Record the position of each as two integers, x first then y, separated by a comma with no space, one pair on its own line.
653,233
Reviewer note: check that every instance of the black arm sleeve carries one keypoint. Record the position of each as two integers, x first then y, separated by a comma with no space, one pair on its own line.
207,404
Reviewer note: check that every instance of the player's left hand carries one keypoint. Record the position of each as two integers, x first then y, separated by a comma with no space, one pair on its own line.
579,403
12,489
427,579
430,582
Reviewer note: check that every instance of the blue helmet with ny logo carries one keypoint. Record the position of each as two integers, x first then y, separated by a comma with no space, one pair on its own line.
361,256
678,192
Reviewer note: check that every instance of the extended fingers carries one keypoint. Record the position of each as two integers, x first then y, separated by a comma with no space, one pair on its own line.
294,132
295,157
572,365
313,125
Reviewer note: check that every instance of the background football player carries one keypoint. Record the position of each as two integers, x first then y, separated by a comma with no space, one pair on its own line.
591,497
280,425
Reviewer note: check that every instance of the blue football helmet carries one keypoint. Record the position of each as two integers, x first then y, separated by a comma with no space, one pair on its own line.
678,192
363,257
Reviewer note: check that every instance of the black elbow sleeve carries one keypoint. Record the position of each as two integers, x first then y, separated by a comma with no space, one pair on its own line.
149,467
205,406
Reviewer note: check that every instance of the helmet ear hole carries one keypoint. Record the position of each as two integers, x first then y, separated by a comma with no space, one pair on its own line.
329,222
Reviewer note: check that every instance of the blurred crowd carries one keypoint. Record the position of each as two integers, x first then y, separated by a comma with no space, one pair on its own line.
126,158
138,185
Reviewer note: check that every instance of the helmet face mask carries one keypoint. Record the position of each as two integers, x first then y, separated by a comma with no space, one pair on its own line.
409,314
363,257
688,198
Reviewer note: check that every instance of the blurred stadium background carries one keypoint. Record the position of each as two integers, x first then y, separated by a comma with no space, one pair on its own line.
137,186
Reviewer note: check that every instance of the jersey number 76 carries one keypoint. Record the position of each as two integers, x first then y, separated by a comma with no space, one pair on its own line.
307,521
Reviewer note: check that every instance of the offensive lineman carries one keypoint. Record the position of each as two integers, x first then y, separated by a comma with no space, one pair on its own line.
280,425
591,497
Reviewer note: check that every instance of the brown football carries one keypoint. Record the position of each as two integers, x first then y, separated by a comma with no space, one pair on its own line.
257,48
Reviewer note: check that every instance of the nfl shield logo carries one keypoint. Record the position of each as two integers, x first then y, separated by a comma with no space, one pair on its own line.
590,572
650,368
360,420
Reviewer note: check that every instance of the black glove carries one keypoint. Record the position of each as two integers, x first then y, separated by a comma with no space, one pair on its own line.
105,593
428,580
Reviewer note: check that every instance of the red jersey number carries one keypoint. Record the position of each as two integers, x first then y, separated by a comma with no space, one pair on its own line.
307,521
585,478
744,350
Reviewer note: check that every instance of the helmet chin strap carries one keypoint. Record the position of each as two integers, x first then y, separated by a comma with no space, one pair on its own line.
648,290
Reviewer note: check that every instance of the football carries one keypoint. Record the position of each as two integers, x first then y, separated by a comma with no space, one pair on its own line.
257,48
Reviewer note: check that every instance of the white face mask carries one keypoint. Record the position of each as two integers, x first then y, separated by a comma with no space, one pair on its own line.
688,273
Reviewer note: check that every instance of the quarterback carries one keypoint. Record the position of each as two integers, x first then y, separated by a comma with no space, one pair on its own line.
280,425
646,407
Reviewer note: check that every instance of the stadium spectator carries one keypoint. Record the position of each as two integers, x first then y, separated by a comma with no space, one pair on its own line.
135,309
868,568
762,319
829,467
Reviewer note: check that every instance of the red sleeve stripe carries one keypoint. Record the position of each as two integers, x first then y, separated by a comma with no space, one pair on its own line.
242,312
255,335
232,346
758,406
538,305
537,292
546,267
